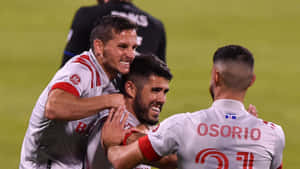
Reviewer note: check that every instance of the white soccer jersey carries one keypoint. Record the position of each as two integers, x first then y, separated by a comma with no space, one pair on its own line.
62,144
96,157
225,136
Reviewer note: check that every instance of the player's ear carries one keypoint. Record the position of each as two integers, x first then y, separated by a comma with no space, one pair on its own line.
130,89
253,79
98,47
216,78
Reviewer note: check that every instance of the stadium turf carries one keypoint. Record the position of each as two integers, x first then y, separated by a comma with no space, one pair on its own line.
33,35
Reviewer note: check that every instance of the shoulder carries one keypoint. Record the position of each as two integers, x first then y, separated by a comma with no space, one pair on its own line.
276,129
79,63
155,21
87,14
177,117
87,9
177,120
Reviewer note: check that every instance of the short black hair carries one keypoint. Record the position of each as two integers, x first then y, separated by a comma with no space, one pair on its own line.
145,65
234,53
107,25
235,64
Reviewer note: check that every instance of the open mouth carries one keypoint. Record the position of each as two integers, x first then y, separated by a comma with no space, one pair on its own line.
156,108
125,63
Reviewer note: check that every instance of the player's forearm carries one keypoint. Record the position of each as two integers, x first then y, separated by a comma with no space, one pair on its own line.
65,106
125,157
166,162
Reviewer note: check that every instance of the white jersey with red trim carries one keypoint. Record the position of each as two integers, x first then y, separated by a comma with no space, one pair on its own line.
62,144
225,136
96,157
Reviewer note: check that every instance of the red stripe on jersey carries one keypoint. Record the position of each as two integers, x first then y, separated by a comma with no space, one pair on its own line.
127,135
147,149
280,167
66,87
80,60
98,82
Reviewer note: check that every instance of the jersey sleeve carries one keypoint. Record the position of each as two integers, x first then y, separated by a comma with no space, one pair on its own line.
73,78
163,141
278,149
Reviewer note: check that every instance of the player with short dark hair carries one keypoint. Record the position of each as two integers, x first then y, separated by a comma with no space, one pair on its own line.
223,136
145,88
69,106
108,26
151,32
143,70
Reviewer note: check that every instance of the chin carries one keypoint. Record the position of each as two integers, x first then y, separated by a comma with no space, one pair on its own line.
124,71
153,121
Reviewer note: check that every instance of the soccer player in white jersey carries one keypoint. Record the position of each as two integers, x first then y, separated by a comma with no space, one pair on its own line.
224,136
65,112
145,88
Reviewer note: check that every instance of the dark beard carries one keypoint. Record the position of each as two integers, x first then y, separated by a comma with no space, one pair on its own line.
141,112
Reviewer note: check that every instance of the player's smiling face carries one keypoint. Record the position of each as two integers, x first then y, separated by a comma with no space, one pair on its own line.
119,52
150,99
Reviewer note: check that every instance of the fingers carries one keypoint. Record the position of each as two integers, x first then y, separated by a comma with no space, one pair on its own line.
118,116
252,110
125,116
113,131
110,115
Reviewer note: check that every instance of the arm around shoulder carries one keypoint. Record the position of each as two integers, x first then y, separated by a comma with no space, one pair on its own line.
62,105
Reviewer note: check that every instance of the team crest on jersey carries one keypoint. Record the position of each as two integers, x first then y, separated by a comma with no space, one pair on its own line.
230,116
75,79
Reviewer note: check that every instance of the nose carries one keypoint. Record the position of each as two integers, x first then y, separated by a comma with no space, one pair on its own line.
161,98
130,53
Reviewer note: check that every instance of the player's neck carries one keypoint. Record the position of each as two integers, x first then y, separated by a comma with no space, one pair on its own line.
110,73
239,96
129,106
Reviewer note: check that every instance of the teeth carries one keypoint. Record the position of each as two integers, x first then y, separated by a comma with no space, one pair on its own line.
156,109
123,62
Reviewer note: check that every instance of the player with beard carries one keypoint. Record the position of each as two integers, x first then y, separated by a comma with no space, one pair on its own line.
145,88
223,136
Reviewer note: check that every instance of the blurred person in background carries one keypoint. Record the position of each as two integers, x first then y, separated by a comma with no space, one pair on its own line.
151,32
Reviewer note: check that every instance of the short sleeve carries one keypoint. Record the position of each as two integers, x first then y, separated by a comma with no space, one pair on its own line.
73,78
166,139
278,148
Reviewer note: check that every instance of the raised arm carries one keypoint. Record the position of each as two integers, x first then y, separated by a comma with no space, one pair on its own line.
62,105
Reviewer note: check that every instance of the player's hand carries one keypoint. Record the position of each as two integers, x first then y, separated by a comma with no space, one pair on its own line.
113,131
135,133
116,100
252,110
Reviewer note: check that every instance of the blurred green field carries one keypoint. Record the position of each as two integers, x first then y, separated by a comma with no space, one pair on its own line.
33,35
